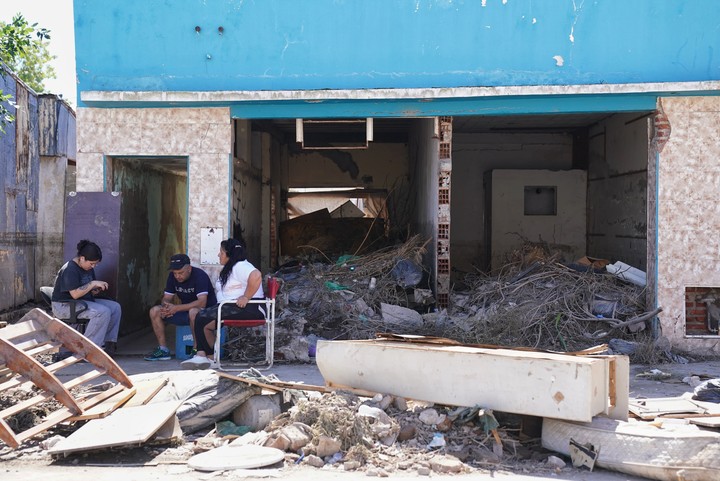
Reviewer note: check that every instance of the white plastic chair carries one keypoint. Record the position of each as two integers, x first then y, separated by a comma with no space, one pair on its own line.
269,322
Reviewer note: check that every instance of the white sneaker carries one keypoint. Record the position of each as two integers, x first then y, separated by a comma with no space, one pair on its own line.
196,362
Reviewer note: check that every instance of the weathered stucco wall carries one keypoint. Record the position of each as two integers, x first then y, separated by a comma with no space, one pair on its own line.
688,213
203,136
617,189
57,147
424,175
564,231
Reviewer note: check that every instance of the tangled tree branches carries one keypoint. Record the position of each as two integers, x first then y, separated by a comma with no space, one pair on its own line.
546,306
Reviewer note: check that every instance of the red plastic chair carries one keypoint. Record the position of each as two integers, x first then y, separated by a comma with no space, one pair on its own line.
273,286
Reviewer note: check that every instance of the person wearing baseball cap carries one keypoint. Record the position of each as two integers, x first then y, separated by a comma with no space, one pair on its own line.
193,289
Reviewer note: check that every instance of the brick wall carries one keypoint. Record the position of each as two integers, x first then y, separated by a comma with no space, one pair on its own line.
696,309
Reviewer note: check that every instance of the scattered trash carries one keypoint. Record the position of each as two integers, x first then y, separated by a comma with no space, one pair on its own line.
407,273
654,374
708,391
628,273
583,454
438,441
555,462
229,428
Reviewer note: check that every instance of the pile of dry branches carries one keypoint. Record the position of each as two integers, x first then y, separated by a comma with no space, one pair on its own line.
547,306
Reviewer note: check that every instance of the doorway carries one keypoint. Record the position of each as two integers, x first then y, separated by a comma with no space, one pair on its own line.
153,226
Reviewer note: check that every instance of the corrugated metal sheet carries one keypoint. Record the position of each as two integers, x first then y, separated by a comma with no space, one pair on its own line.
19,167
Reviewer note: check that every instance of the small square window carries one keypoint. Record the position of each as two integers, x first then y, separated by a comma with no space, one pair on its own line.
540,200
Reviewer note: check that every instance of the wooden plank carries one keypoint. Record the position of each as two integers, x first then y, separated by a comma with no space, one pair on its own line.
522,382
27,326
7,435
620,387
140,394
277,386
21,406
106,407
145,391
125,427
64,413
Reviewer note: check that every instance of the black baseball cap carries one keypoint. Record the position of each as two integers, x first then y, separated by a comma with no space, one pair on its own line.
178,261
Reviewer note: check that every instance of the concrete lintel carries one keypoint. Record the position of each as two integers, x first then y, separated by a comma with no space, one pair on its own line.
225,97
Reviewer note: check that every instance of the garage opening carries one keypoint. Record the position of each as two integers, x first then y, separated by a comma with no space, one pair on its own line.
574,184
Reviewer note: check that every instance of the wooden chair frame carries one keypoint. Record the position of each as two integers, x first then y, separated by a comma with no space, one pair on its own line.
38,333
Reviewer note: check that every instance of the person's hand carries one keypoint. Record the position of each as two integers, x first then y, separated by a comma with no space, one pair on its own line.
98,286
242,301
168,309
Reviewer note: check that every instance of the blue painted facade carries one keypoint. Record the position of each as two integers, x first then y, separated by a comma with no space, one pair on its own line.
232,45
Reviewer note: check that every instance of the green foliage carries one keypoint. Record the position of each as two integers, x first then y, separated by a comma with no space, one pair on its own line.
23,46
33,66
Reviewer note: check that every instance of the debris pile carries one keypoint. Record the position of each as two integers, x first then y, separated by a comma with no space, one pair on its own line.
384,434
533,301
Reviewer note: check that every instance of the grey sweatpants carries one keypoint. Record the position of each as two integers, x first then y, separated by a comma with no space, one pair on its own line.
103,319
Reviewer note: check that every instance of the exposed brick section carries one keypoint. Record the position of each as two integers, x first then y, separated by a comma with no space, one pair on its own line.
662,128
273,233
442,285
443,196
443,299
444,231
696,310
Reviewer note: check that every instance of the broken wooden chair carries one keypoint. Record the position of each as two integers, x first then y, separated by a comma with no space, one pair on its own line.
21,347
269,322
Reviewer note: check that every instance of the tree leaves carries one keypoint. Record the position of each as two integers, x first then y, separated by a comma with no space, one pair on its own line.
23,49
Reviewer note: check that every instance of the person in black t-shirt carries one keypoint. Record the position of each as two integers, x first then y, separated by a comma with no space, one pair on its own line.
76,280
194,290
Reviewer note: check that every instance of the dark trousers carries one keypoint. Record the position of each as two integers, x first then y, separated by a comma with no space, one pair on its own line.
229,311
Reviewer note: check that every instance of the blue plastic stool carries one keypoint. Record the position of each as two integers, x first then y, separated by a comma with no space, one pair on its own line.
184,342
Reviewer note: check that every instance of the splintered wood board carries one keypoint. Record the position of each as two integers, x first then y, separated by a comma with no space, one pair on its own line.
106,407
146,390
125,427
140,394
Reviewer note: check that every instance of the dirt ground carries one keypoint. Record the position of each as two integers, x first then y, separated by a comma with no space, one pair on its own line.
30,462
